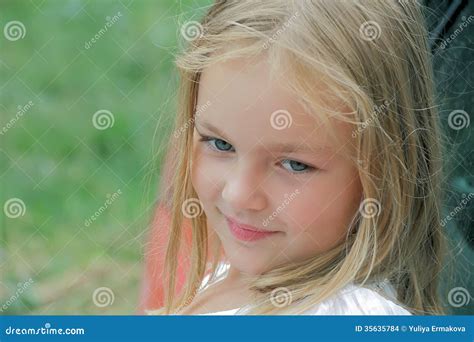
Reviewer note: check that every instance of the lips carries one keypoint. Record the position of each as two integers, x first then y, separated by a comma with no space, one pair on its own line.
247,233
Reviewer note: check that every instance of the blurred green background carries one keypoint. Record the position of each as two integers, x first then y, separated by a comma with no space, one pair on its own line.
64,169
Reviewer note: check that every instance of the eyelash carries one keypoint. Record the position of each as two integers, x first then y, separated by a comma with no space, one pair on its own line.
207,140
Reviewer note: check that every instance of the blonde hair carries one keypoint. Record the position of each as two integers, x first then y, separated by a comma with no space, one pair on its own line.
374,56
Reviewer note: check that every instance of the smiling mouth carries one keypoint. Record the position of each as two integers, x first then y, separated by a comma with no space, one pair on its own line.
246,232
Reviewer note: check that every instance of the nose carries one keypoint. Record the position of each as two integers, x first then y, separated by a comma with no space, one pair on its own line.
243,189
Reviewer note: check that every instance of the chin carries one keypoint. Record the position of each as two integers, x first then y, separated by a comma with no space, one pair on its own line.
250,269
246,262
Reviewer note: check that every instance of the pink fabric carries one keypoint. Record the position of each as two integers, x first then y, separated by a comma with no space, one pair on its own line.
152,292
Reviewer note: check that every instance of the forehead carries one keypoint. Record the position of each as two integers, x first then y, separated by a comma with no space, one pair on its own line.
249,99
246,85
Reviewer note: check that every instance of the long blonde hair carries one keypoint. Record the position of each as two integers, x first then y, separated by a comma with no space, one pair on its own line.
374,56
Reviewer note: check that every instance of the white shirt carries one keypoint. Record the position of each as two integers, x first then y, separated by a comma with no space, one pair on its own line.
351,300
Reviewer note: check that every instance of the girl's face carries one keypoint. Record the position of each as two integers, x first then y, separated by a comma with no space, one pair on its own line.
262,163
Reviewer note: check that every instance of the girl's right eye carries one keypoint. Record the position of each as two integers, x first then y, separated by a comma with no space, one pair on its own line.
217,144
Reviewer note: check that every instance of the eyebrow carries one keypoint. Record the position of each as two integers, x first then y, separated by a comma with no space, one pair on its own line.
280,147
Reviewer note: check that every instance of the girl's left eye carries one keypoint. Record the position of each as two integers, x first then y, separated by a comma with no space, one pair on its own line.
296,166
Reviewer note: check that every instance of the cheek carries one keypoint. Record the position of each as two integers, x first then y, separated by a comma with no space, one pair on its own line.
322,212
205,176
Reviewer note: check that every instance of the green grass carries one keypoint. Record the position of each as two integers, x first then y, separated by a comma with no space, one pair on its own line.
62,167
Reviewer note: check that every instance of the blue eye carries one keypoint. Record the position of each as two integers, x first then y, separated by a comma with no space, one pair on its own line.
220,145
296,166
217,144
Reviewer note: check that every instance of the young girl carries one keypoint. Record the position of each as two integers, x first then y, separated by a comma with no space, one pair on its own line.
307,161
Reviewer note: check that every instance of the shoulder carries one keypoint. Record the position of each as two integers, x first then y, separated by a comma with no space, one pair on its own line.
357,300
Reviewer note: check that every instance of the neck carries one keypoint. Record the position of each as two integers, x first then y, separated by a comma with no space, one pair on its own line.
237,278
